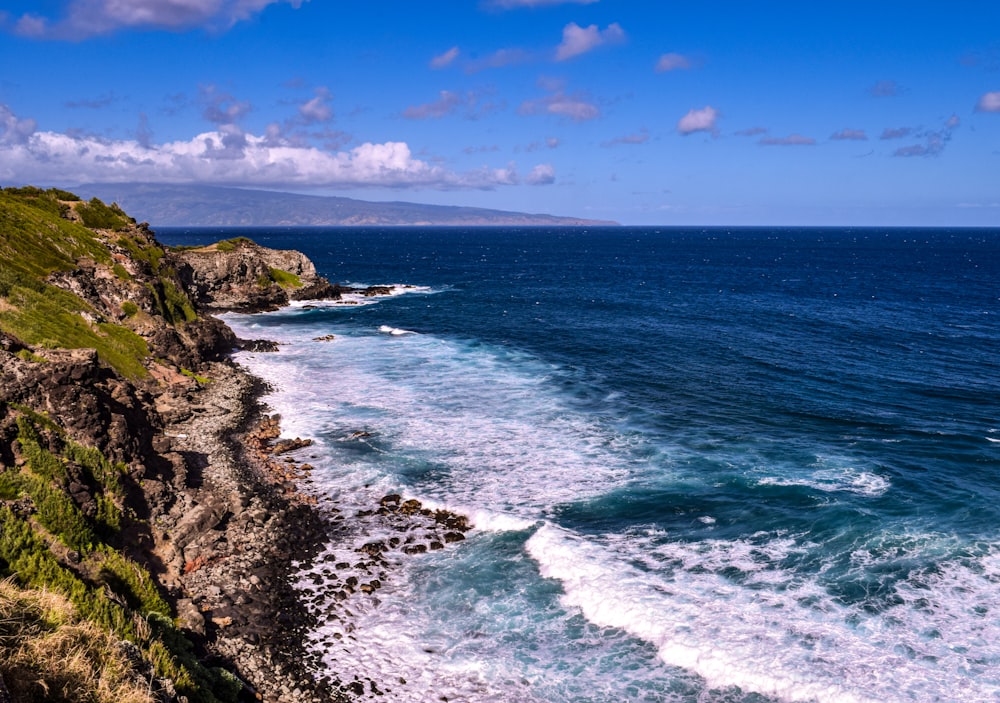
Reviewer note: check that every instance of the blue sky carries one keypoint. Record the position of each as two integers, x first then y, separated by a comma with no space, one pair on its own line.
881,113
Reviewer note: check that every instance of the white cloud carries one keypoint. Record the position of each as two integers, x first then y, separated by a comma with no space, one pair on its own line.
318,109
225,156
579,40
221,108
542,174
14,130
86,18
672,62
445,59
702,120
573,107
989,102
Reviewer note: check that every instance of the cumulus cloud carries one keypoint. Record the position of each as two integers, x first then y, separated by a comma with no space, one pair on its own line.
579,40
848,134
672,62
87,18
318,108
702,120
573,107
542,175
445,59
989,102
14,130
790,140
221,108
223,156
640,137
884,89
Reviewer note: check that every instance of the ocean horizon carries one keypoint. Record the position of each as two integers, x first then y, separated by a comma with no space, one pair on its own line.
702,464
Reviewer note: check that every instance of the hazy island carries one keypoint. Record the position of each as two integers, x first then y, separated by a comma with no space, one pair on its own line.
211,206
149,517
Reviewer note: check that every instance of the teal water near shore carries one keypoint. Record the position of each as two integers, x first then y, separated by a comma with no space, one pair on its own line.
703,465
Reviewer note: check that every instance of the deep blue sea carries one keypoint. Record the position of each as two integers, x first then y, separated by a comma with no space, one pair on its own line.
703,464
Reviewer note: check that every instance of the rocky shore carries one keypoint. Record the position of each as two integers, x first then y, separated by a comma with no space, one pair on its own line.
142,477
242,538
235,535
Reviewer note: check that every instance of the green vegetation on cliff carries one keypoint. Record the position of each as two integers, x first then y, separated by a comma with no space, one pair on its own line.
40,239
81,275
48,541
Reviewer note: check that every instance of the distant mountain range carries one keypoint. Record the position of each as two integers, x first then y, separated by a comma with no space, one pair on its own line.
192,205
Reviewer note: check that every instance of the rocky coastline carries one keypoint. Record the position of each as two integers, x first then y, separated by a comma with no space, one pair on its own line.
208,500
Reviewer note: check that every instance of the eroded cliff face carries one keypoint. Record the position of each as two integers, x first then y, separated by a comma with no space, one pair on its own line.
240,275
106,344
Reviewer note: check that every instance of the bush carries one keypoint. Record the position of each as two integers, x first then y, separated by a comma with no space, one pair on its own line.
97,215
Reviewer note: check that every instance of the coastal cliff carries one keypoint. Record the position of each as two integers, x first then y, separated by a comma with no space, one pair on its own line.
140,497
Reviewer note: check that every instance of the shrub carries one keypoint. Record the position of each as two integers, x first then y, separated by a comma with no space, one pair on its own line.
97,215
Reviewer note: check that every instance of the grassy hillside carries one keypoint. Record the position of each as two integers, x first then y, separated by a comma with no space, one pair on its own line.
43,233
80,619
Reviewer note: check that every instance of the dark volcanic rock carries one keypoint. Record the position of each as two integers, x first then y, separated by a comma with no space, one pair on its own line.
242,276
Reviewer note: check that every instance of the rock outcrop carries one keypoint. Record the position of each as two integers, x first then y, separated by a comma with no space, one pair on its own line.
238,274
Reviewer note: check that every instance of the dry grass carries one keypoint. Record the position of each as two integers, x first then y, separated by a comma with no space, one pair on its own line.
47,654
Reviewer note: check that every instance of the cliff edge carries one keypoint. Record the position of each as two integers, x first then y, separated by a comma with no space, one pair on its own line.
129,506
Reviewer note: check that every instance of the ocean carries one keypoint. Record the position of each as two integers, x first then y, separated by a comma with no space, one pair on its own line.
712,464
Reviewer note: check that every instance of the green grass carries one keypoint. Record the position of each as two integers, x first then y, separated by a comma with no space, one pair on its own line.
43,315
285,279
31,356
191,374
36,241
97,215
137,610
228,245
